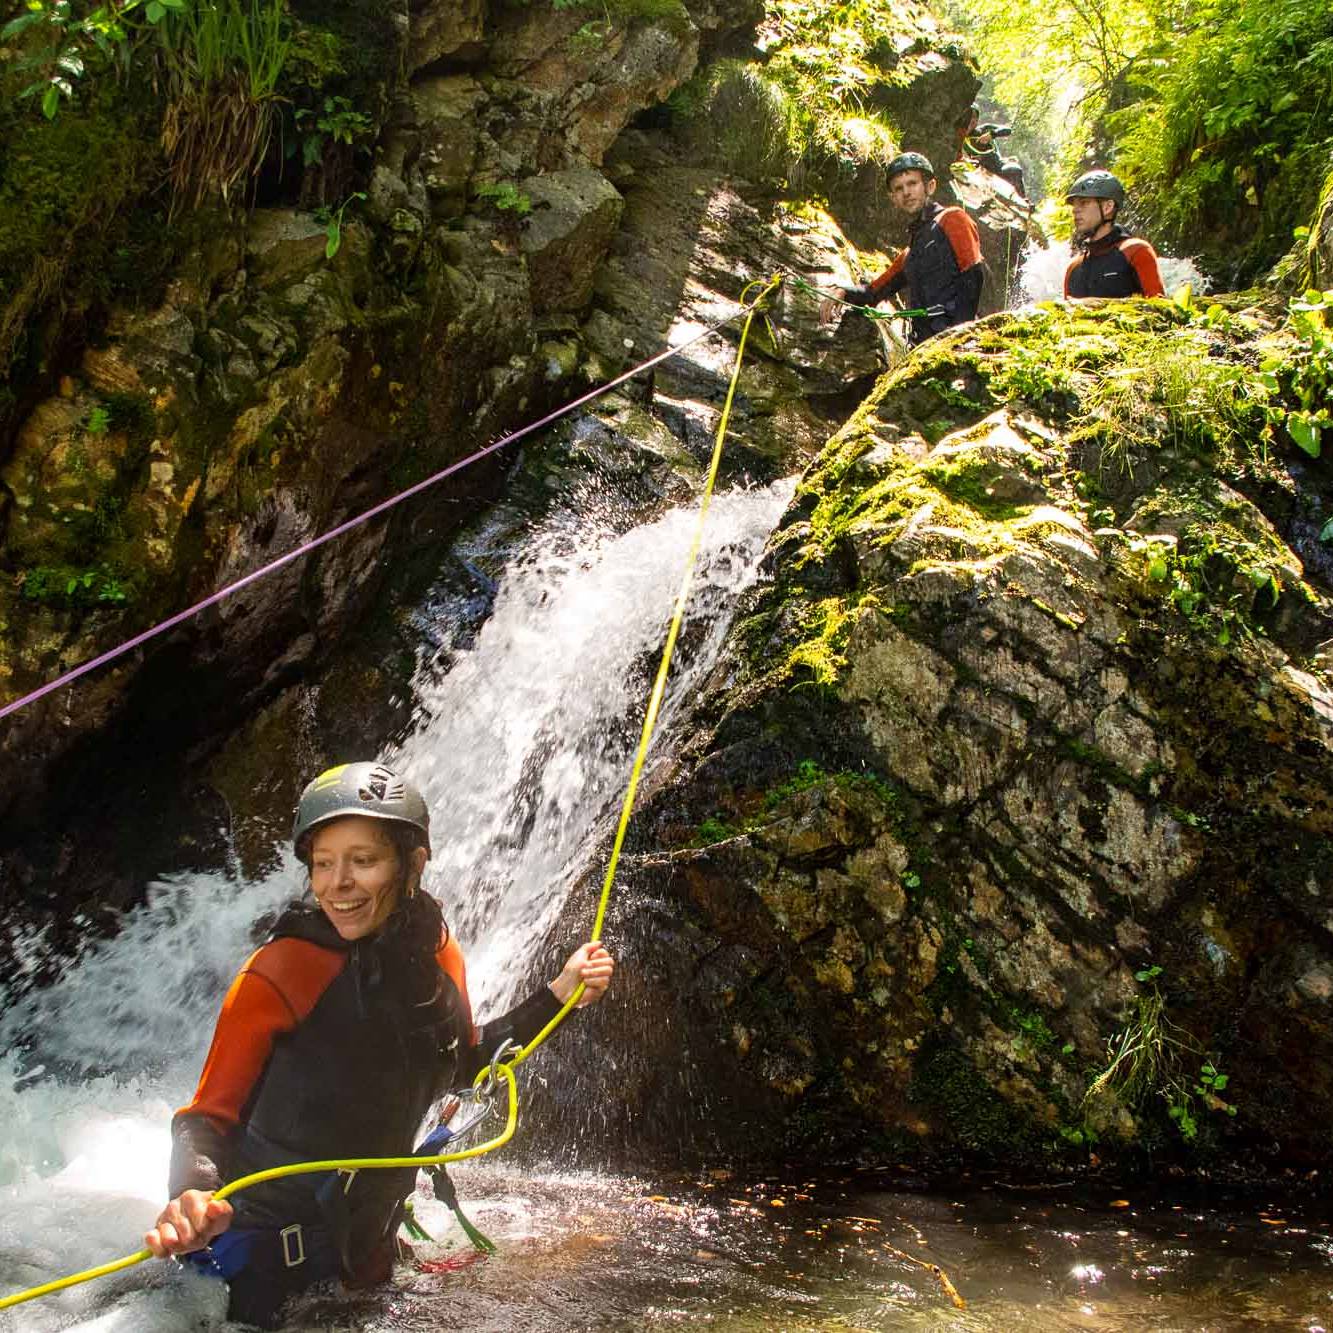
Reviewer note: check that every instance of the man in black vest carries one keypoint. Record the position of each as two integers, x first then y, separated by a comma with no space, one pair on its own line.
941,269
1109,262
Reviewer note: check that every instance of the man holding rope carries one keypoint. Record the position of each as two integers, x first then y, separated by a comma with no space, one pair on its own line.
940,270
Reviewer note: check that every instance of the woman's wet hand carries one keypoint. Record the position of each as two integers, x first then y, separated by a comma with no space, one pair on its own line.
188,1223
590,964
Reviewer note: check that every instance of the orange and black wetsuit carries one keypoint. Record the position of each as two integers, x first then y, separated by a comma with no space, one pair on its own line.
941,271
1116,264
330,1049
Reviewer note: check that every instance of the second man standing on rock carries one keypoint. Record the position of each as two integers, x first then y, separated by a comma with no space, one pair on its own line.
940,271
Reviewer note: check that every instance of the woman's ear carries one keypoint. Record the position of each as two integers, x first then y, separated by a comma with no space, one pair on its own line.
416,865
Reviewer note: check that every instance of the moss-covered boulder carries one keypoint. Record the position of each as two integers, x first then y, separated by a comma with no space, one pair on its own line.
1006,828
1320,243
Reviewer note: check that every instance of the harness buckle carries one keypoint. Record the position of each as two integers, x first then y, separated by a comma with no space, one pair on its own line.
293,1245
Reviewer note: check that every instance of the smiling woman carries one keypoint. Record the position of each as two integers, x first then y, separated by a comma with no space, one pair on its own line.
357,874
334,1040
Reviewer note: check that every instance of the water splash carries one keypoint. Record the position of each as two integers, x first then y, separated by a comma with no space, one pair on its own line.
528,739
522,748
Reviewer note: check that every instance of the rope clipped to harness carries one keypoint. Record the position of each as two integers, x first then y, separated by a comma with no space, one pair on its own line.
432,1145
505,1060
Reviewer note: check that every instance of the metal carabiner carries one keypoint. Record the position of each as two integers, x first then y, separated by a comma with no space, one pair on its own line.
488,1086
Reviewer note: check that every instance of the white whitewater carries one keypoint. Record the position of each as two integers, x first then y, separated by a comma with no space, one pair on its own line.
523,750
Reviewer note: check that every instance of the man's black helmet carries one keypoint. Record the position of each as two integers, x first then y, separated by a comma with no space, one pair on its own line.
911,162
1097,185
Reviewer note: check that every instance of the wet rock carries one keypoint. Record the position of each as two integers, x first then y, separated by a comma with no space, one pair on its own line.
574,216
453,28
447,112
283,244
1030,813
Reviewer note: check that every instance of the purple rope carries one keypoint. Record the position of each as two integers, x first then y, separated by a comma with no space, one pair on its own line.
304,549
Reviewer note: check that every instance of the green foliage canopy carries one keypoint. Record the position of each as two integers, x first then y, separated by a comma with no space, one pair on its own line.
1215,112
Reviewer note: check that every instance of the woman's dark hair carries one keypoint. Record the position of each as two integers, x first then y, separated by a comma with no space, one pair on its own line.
405,841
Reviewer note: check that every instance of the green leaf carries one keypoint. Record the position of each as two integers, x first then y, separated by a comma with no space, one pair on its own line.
335,235
1220,1081
1067,1048
1157,569
156,11
1326,531
1305,433
51,101
71,64
16,26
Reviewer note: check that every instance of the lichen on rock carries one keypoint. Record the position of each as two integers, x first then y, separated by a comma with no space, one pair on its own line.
1053,623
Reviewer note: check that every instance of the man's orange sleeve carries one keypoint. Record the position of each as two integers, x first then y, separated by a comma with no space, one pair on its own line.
1069,272
274,991
963,237
893,270
1143,258
450,958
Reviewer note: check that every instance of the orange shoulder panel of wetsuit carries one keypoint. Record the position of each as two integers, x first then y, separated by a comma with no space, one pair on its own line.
1143,258
275,990
963,236
889,273
450,958
1069,272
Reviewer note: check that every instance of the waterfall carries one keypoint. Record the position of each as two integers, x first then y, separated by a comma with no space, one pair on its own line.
522,750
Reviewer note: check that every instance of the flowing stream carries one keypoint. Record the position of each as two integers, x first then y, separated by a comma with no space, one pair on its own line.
523,747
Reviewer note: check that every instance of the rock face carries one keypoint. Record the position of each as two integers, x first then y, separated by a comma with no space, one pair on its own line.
1025,750
298,370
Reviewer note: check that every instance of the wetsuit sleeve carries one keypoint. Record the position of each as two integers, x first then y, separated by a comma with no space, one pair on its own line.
1143,259
1069,272
969,291
275,989
888,282
963,237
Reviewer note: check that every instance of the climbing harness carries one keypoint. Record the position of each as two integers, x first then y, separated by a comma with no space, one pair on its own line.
507,1058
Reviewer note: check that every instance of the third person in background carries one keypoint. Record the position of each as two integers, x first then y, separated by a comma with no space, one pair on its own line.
940,271
1110,262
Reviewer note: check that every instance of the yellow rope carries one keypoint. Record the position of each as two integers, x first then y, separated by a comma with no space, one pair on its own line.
505,1068
659,685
